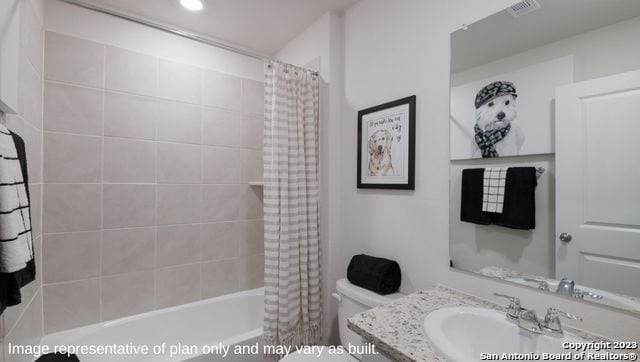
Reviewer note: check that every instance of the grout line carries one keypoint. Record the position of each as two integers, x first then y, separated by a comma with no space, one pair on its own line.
156,98
41,216
100,252
146,140
162,226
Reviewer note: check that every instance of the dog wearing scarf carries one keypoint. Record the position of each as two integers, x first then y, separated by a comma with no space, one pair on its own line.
496,134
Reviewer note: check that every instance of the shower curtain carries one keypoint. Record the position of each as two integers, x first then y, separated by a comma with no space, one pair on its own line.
292,251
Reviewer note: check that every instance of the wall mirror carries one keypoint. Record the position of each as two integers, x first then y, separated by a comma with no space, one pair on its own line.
545,148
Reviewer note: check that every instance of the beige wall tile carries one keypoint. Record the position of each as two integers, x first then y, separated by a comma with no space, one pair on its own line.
253,97
220,127
221,90
179,204
71,158
251,271
252,166
252,132
179,163
127,250
178,285
73,60
72,109
27,331
131,72
221,240
130,116
127,294
71,256
221,165
70,305
179,122
221,276
129,160
252,240
178,245
32,138
250,202
29,93
71,207
221,202
128,205
179,82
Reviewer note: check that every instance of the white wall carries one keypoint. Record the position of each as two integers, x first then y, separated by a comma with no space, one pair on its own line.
323,40
82,23
395,49
476,246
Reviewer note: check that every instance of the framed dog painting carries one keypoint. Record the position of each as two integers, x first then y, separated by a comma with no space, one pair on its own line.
386,145
511,114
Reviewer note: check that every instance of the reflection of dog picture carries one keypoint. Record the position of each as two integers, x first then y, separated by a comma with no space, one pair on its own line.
380,154
496,134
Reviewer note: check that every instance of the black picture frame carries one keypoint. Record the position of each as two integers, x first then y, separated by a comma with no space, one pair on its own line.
410,182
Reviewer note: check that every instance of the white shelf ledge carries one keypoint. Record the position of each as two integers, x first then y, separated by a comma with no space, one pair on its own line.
256,183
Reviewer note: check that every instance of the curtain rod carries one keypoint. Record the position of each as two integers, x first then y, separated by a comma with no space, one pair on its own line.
169,29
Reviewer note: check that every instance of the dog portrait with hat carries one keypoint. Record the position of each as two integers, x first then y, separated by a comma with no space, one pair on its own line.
495,132
505,114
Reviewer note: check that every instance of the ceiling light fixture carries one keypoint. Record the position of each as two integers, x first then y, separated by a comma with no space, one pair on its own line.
193,5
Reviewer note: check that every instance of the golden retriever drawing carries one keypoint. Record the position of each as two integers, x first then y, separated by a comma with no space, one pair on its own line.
380,154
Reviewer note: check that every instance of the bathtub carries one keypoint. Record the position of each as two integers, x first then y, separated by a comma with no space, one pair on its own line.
230,320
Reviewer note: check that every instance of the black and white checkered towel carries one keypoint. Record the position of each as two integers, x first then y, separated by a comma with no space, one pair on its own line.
16,246
493,189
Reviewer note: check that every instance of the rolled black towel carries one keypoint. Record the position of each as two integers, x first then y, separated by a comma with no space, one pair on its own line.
58,357
379,275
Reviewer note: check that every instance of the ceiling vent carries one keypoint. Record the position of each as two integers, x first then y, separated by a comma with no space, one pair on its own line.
523,7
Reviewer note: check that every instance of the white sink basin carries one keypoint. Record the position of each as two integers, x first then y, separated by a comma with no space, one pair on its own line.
463,334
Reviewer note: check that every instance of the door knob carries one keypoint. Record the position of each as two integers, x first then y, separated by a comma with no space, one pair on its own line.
565,237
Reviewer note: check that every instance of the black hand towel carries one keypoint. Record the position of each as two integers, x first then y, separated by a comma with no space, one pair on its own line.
471,198
519,210
376,274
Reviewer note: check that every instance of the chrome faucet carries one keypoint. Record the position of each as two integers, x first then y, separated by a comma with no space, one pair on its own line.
568,287
528,320
514,308
551,323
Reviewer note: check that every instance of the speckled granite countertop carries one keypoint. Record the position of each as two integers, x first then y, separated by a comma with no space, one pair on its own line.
396,328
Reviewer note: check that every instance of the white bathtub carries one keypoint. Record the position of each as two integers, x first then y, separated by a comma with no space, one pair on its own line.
234,319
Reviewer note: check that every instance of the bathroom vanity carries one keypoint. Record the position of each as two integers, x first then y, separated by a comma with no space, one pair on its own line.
398,331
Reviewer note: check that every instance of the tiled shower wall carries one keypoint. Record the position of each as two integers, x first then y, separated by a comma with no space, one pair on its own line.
146,201
22,324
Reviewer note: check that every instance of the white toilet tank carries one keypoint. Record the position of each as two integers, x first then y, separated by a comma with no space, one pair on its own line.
353,300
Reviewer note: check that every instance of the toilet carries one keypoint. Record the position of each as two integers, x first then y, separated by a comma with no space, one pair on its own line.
351,300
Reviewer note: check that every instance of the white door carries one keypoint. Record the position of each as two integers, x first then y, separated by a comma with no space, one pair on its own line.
598,183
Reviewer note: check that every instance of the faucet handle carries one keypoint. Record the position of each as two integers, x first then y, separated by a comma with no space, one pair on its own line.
565,314
552,323
542,285
514,308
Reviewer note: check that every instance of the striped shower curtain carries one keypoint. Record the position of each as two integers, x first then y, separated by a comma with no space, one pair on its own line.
292,251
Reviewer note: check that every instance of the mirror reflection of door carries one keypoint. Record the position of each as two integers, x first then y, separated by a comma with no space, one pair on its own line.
598,183
565,77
